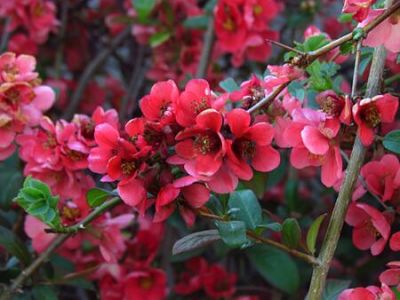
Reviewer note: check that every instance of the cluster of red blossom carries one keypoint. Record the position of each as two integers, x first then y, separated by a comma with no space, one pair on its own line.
32,21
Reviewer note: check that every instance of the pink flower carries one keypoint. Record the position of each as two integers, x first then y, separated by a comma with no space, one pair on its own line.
380,176
387,33
251,145
371,229
369,113
335,106
359,8
368,293
391,276
35,231
218,283
17,68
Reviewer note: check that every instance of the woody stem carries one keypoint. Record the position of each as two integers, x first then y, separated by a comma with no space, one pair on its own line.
320,272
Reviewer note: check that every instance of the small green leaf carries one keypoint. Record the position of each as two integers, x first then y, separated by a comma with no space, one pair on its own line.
143,8
159,38
312,233
345,18
276,267
229,85
391,141
315,42
14,245
195,241
196,22
96,197
249,208
233,233
44,292
346,48
291,233
334,288
271,226
297,90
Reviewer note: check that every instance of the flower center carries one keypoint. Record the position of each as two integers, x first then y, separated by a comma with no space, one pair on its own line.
331,106
51,142
146,282
74,155
128,167
244,148
229,25
207,143
257,9
199,106
71,213
371,116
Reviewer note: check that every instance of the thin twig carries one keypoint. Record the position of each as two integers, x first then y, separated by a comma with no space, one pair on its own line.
58,241
268,100
304,256
90,70
61,39
356,67
320,272
207,49
6,34
285,47
135,82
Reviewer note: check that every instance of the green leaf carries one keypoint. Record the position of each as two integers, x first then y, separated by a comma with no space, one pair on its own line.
358,33
249,209
195,241
258,184
229,85
143,8
276,267
44,292
159,38
271,226
345,18
334,288
312,233
36,199
391,141
315,42
196,22
291,233
14,245
96,197
233,233
346,48
297,90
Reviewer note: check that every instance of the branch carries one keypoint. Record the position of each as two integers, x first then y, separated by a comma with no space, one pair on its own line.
332,236
6,34
304,256
90,70
207,48
134,84
58,241
305,59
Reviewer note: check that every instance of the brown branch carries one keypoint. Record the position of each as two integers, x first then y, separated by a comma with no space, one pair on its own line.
304,60
90,70
58,241
335,226
207,49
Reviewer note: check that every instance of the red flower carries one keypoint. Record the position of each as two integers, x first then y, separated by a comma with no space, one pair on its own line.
335,106
380,176
371,229
369,113
159,105
150,284
368,293
202,147
250,146
359,8
230,27
194,99
187,196
218,283
190,281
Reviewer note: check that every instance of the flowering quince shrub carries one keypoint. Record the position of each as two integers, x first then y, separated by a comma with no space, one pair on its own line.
175,149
